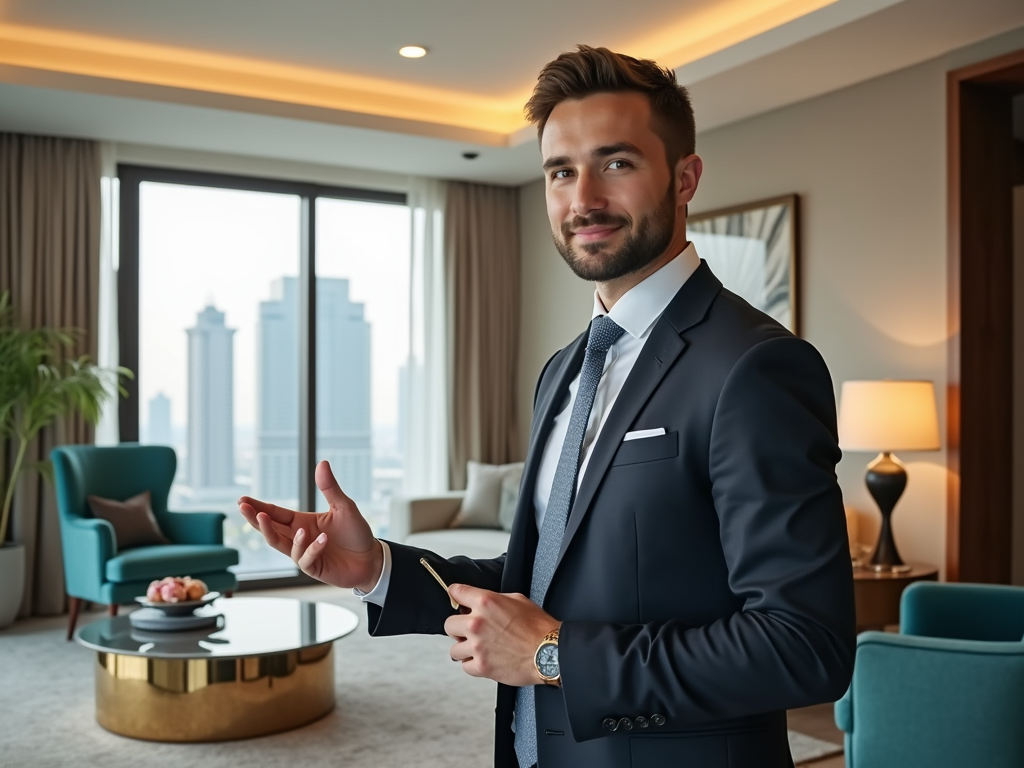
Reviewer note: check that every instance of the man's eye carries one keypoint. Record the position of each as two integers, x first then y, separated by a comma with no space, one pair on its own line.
561,173
616,165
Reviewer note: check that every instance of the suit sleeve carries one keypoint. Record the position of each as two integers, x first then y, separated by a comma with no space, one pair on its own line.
772,457
416,604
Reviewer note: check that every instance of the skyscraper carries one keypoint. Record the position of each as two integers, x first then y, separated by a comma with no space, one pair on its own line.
211,421
158,427
343,390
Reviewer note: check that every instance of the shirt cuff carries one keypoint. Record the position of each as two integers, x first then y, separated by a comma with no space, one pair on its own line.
379,592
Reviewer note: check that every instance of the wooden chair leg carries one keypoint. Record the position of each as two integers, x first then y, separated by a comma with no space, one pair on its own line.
112,610
74,605
229,594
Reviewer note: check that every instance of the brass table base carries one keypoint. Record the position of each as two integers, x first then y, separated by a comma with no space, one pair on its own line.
216,699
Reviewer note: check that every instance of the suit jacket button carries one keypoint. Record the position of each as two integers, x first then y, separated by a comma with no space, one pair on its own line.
626,724
658,719
610,724
641,722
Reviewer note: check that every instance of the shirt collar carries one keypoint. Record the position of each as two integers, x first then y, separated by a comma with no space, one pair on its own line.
643,304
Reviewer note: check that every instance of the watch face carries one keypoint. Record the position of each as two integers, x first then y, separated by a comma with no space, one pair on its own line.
547,660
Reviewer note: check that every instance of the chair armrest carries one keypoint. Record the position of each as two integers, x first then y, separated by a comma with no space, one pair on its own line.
843,711
194,527
88,544
429,513
989,612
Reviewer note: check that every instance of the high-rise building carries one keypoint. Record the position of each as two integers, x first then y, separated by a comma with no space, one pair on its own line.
158,426
211,421
343,390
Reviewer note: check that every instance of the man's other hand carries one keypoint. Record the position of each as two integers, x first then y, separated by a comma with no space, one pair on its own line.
337,546
499,635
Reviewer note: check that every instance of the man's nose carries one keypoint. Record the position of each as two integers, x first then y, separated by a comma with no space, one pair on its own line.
588,194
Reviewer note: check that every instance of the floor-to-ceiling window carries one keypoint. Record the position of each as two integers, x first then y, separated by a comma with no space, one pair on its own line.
218,312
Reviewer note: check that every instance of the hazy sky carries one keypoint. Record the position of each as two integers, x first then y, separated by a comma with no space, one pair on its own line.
202,246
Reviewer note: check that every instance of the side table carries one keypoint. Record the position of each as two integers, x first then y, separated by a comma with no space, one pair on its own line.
877,595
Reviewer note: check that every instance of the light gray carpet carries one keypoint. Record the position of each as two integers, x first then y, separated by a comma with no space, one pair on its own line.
401,702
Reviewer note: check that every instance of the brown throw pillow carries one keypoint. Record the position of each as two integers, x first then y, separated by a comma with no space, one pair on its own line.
133,520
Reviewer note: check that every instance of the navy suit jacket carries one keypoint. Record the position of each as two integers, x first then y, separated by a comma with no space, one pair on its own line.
704,581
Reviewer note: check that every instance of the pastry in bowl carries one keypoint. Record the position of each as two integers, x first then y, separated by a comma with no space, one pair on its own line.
175,589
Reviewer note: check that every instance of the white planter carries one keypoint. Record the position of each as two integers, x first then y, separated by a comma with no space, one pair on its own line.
12,581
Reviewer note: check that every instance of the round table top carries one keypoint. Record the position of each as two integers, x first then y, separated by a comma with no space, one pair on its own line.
250,626
917,571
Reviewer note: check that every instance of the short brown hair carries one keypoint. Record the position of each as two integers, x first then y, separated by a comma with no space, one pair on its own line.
587,70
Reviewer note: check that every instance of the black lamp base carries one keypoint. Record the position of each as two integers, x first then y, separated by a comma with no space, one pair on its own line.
886,479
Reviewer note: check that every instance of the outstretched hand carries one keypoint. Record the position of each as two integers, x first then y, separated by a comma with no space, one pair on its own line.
337,546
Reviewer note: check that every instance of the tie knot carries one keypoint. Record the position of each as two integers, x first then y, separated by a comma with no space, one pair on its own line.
603,333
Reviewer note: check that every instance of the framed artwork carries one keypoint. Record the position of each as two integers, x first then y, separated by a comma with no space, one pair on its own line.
752,249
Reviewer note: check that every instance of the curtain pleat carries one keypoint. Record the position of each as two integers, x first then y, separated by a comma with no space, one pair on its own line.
482,272
49,261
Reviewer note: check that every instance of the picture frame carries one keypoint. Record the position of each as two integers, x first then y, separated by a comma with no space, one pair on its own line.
753,249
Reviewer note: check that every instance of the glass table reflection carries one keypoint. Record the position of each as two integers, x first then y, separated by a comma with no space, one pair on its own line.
249,626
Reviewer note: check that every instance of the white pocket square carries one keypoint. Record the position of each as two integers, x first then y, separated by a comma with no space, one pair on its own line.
640,434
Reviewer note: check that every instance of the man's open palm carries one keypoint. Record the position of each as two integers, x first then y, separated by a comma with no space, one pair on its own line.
337,547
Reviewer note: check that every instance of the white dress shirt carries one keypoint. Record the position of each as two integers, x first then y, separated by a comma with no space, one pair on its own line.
635,312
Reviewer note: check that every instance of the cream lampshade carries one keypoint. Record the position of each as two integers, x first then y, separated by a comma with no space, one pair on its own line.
887,416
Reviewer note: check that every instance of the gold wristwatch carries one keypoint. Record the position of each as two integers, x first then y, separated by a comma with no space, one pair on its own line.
546,659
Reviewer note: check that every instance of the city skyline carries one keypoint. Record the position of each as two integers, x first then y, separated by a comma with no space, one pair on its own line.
201,245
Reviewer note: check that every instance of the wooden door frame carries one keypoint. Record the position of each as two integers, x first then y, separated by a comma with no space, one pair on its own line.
980,320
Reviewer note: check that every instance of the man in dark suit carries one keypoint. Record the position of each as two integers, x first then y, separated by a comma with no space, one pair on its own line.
680,531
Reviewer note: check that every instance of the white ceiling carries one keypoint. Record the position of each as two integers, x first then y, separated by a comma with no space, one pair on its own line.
479,50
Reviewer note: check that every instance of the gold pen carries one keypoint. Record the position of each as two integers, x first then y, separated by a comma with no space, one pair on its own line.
425,564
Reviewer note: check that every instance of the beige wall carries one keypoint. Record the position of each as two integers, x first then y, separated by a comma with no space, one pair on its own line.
869,165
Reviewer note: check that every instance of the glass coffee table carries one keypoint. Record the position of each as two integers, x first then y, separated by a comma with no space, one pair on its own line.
267,666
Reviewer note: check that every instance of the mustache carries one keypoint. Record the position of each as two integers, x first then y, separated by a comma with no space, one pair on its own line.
593,220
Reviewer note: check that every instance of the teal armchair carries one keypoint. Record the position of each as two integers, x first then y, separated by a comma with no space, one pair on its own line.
948,690
94,570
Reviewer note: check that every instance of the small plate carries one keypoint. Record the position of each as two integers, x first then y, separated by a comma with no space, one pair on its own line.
182,608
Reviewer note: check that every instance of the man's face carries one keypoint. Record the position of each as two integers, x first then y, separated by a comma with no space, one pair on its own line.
611,196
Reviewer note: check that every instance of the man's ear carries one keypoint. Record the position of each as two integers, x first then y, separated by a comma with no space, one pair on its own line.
687,175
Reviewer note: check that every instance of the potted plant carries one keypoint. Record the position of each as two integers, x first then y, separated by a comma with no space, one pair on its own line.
39,383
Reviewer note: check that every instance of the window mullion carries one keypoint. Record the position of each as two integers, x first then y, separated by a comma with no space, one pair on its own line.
307,354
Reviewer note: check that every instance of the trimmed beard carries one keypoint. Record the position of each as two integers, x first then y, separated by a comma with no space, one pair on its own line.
645,243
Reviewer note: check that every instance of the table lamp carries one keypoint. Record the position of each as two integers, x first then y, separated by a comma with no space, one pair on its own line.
887,416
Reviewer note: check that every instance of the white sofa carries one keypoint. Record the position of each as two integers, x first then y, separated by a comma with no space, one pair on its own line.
424,522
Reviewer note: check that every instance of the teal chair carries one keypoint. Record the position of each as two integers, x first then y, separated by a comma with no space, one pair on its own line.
948,691
94,570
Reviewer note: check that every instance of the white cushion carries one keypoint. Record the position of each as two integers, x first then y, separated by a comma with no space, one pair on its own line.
482,503
479,543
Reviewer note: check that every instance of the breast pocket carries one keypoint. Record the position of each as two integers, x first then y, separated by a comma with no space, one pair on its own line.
647,449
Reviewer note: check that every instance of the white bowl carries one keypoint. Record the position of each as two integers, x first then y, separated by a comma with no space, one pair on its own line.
182,608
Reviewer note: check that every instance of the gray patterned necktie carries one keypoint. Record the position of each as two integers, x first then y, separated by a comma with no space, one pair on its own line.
603,333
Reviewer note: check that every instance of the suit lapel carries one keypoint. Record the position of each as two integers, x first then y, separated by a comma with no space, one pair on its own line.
523,539
689,307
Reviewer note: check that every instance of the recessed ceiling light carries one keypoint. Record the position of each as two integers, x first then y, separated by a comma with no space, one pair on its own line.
412,51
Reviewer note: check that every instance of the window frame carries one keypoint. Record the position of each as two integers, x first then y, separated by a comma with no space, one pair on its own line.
130,178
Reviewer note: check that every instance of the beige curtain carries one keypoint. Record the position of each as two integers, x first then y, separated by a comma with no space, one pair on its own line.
49,261
482,271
